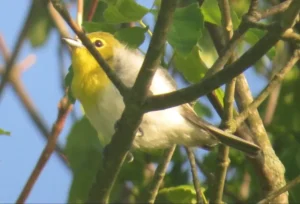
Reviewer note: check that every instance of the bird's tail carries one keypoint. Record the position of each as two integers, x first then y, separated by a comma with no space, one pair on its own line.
233,141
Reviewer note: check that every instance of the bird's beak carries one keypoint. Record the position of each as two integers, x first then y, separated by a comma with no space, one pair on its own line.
75,43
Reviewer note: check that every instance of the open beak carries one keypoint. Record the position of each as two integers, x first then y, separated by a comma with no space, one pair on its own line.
73,43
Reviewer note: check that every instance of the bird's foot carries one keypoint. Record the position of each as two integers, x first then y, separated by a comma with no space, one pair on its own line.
129,157
139,132
116,126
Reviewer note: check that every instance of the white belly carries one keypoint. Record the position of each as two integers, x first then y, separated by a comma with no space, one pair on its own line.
161,128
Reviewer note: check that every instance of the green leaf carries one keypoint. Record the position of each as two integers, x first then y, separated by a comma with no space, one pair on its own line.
186,28
68,83
202,110
95,27
124,11
40,25
212,14
133,37
4,132
191,65
178,194
84,153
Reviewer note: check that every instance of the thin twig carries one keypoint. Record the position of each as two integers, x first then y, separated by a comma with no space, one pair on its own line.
60,7
278,192
210,179
275,9
18,87
288,35
17,48
159,175
79,14
199,194
64,108
92,10
58,21
3,49
223,150
268,89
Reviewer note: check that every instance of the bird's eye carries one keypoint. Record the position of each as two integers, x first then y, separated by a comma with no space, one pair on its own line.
98,43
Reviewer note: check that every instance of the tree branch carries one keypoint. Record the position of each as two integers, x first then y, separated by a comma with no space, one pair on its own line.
199,195
159,175
21,38
64,108
92,10
280,191
268,89
18,87
131,118
208,84
275,9
60,7
223,150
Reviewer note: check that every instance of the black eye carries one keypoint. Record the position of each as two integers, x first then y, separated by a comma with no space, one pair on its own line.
98,43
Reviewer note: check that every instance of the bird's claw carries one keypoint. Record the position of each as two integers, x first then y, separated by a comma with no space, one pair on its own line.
129,157
139,132
117,123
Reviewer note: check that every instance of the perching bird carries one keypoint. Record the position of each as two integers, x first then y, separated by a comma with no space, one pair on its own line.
104,105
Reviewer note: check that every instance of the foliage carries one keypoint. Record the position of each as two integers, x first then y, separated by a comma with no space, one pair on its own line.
189,52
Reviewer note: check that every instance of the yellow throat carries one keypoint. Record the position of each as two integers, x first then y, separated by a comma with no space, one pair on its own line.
89,79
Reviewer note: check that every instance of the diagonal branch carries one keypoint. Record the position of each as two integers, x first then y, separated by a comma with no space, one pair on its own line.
208,84
60,7
223,150
268,89
131,118
275,9
159,175
17,48
280,191
199,194
64,108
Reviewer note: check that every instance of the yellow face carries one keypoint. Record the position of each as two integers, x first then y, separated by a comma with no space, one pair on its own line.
89,78
82,59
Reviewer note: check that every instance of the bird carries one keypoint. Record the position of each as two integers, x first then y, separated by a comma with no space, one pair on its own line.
103,104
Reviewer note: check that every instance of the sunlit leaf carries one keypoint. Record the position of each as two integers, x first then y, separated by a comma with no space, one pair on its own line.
191,65
202,110
40,25
4,132
124,11
68,82
133,37
186,28
212,14
95,27
178,194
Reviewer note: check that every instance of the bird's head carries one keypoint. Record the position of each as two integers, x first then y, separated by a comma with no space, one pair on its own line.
82,60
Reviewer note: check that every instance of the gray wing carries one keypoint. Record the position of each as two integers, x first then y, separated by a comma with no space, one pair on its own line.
224,137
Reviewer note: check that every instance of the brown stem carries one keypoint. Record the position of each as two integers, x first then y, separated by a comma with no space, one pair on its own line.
280,191
159,175
63,109
278,77
199,195
17,48
92,10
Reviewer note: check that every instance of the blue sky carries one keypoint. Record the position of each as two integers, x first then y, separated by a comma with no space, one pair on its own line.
20,152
